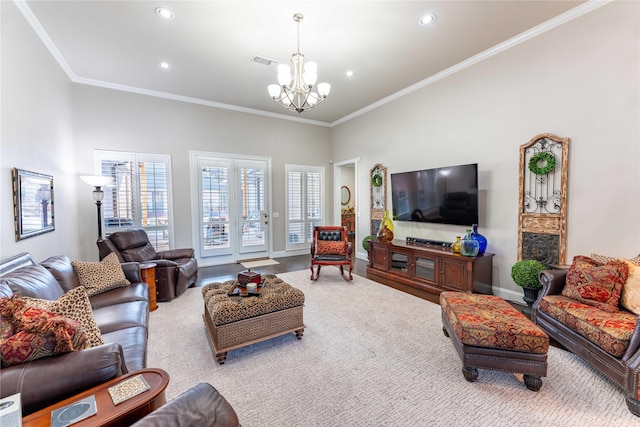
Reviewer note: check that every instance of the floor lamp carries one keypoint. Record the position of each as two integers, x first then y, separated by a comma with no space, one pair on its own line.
98,182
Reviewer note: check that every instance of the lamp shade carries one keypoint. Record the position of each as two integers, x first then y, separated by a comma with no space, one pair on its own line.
274,90
284,74
97,180
324,89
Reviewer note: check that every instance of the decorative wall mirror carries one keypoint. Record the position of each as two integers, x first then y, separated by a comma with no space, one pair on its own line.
32,203
345,195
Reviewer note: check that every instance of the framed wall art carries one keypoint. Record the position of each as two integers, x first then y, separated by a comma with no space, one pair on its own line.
32,203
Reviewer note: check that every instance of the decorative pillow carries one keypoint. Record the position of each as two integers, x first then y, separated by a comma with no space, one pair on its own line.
331,247
39,333
596,284
74,305
99,277
630,298
605,259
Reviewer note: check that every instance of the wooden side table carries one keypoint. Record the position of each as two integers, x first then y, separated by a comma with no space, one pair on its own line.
148,273
123,414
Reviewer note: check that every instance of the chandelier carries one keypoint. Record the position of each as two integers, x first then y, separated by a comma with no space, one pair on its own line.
295,93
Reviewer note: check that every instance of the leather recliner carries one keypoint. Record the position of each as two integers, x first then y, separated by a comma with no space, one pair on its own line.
200,406
176,269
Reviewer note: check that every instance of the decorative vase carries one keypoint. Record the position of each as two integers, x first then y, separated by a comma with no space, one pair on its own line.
468,245
385,232
530,296
455,246
482,241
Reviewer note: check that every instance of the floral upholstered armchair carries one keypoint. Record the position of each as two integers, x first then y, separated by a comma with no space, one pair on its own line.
330,246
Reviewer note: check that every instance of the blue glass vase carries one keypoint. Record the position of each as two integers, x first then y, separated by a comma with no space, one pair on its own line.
482,241
468,245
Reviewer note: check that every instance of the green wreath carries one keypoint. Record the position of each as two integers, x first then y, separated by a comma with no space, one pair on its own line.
549,163
376,180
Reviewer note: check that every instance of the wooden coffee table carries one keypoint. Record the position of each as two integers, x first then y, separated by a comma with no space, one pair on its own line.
124,414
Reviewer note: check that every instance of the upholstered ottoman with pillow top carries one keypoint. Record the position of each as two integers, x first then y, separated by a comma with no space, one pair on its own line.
489,333
235,321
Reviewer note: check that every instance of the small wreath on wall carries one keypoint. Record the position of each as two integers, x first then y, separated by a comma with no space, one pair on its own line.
546,158
376,180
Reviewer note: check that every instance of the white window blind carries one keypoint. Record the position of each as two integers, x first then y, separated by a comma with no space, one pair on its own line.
305,204
139,196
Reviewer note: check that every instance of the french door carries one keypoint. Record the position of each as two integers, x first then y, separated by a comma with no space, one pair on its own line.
233,205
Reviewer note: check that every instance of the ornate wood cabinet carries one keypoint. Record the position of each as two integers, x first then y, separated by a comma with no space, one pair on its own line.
349,221
430,268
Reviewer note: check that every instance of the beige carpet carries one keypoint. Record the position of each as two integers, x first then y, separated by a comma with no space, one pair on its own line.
371,356
259,263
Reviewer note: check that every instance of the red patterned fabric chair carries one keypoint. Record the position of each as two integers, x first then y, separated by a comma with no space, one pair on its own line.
608,339
331,247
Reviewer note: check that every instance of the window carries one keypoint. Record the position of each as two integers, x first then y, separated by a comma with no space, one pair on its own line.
140,195
305,204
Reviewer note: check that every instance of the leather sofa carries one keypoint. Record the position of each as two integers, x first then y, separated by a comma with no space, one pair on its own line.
176,269
121,314
200,406
624,371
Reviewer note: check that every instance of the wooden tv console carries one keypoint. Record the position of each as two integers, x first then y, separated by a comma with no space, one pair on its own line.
430,268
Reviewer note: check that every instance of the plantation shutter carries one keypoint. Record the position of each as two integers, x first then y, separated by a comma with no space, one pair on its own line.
305,204
139,196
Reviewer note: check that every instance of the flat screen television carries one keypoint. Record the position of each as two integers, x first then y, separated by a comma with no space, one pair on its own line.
447,195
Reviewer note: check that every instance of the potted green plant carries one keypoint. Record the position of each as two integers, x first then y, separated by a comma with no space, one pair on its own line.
525,274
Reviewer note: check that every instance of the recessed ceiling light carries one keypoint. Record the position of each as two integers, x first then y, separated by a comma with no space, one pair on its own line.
164,65
427,19
164,13
349,73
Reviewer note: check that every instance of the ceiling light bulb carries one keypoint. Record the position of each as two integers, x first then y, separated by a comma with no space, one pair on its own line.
349,73
427,19
164,13
164,65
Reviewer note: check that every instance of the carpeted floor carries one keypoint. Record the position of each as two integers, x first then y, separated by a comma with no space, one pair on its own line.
371,356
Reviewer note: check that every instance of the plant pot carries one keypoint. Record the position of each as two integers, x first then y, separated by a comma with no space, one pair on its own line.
530,296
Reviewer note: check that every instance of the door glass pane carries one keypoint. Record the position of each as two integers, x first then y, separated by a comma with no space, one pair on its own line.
253,206
426,268
215,207
400,262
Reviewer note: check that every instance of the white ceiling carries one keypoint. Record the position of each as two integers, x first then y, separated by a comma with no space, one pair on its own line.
210,45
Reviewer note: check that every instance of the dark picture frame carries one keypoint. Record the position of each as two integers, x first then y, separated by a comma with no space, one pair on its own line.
32,203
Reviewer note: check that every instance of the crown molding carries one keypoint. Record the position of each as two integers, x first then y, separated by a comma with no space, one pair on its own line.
569,15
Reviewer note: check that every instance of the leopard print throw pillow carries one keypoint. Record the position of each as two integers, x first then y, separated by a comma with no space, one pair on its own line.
99,277
73,305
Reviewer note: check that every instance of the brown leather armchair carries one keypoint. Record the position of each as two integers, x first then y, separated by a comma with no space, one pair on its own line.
331,246
200,406
176,269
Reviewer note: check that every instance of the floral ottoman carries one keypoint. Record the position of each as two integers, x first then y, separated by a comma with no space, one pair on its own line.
237,321
489,333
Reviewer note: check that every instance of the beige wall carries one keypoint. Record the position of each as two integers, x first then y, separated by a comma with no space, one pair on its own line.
52,126
112,120
36,135
580,80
